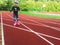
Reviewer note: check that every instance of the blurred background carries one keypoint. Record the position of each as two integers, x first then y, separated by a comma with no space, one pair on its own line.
32,5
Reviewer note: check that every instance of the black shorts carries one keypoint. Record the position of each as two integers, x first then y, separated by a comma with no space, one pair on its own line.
16,15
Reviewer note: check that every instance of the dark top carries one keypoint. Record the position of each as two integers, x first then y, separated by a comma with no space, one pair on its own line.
15,9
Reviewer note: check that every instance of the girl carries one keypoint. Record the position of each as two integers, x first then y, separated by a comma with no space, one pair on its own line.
15,10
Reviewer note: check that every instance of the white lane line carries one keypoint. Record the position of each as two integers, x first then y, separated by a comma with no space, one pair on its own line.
55,23
55,20
16,27
3,43
35,33
49,36
30,31
56,28
35,24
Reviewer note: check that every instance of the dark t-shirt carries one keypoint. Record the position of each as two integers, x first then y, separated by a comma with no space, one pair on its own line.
15,9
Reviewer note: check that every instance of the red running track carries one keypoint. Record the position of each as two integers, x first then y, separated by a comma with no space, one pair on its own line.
31,30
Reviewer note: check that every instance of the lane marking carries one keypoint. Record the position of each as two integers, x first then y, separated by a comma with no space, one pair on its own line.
55,23
49,36
3,42
16,27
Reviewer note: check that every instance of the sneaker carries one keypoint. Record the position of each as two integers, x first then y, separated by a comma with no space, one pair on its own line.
15,24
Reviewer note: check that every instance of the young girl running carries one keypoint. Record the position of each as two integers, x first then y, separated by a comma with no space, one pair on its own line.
15,10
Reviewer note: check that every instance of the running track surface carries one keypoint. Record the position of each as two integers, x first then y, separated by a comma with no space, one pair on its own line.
31,31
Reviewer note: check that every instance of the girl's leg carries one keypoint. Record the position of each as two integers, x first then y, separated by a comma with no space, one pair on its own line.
18,21
15,20
15,23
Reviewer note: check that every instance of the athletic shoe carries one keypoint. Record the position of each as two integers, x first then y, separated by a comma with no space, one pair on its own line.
15,23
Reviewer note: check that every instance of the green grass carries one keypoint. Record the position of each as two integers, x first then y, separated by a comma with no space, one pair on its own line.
39,15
